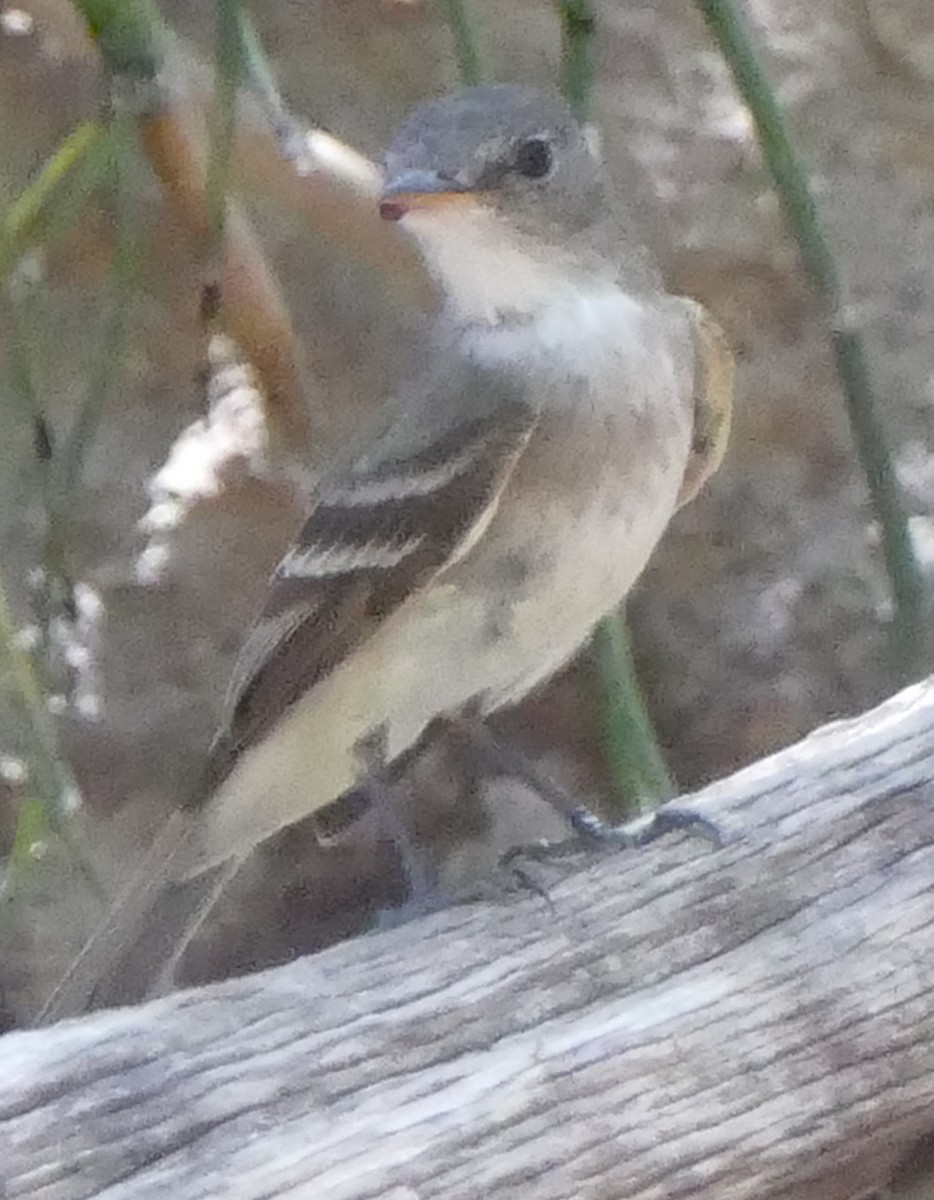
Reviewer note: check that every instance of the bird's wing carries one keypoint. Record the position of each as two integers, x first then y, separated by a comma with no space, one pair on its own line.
713,401
380,530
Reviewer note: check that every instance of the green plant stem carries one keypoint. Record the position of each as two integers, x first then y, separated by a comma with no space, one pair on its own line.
635,758
117,314
578,29
22,383
21,316
791,186
130,35
50,788
631,746
470,63
50,205
50,780
634,755
228,72
24,218
257,67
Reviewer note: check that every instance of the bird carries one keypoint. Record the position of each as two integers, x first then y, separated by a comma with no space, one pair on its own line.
562,408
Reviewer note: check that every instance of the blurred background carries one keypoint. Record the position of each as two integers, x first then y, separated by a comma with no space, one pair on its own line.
132,570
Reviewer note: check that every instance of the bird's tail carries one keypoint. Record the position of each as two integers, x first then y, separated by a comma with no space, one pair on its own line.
133,952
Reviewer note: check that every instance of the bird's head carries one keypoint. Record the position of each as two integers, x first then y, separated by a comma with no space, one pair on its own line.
502,188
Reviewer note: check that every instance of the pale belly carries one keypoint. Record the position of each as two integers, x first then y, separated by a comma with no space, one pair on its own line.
485,647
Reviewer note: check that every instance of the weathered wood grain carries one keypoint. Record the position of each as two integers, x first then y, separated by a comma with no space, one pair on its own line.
754,1021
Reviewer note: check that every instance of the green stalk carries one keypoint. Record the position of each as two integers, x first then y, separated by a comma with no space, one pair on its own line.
578,29
635,758
24,217
118,311
228,72
52,780
631,746
909,640
21,378
50,787
129,35
49,206
257,67
470,62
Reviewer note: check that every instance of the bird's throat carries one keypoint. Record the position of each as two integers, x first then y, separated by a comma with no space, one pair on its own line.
488,272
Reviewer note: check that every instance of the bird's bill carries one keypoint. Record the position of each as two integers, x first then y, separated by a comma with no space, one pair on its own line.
421,190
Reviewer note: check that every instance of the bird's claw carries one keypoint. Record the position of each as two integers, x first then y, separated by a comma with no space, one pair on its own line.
590,830
643,830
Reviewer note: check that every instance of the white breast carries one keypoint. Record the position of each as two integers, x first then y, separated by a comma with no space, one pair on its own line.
581,331
587,503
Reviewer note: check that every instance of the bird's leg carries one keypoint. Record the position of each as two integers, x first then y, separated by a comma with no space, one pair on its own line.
382,786
332,822
500,758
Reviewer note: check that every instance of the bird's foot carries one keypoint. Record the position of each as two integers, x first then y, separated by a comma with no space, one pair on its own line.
643,830
590,832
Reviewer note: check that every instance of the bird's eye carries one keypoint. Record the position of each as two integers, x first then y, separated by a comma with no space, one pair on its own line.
533,158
